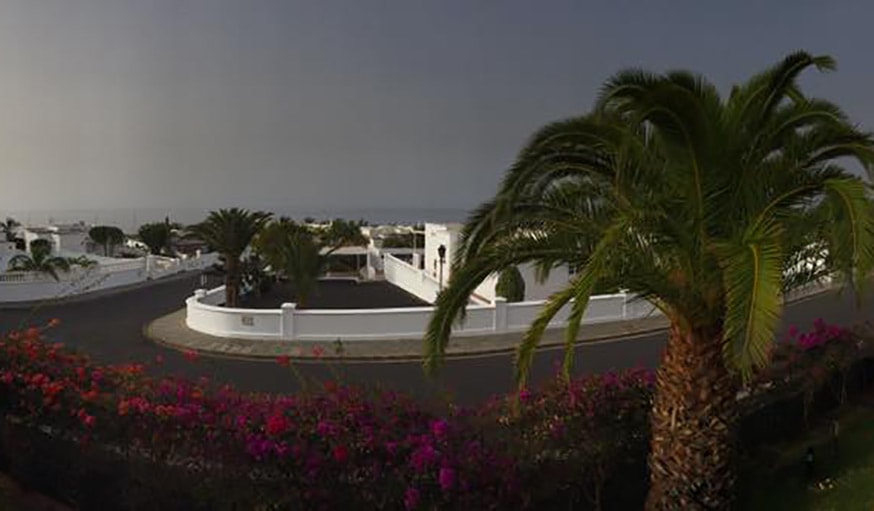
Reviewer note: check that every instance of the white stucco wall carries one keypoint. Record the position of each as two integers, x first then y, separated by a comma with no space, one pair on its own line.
370,324
110,273
416,282
436,235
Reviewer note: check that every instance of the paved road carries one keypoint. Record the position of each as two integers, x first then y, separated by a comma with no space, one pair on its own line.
109,328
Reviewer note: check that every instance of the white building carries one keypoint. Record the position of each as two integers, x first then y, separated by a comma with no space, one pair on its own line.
449,235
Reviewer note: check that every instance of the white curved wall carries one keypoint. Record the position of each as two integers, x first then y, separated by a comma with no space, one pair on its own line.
288,323
236,323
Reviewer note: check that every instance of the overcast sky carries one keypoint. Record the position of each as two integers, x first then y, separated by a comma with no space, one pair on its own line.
355,103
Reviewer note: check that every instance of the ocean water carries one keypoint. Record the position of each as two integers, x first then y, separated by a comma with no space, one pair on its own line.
129,220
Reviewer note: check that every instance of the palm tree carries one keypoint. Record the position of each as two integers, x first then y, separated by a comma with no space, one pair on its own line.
229,232
158,236
301,254
40,261
697,203
8,227
106,235
293,251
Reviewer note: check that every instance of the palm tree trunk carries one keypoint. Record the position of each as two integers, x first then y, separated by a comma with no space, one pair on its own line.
694,418
232,280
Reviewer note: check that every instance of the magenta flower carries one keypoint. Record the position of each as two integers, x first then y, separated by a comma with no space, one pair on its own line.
423,457
439,428
446,478
411,498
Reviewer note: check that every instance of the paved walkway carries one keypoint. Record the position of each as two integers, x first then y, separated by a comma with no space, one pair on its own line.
171,331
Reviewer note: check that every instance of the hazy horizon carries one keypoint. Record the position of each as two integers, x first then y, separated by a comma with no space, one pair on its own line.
347,105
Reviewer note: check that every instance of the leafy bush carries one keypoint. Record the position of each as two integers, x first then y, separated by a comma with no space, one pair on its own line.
115,438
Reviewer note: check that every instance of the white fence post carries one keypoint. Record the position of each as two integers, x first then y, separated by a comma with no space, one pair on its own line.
200,294
286,321
499,322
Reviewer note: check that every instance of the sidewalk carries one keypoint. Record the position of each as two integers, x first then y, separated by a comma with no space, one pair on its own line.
172,332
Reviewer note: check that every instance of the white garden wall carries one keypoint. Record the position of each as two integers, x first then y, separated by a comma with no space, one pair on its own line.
289,323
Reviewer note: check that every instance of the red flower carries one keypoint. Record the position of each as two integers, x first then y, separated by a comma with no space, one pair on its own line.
341,454
191,355
277,424
283,360
318,351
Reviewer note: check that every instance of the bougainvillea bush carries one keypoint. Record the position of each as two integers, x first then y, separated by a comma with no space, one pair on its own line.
338,446
204,446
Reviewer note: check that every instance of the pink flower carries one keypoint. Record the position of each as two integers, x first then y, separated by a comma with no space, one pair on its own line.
423,457
439,428
411,498
524,395
318,351
446,478
191,355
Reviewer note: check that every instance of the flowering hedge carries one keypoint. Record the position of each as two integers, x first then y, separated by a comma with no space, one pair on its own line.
344,447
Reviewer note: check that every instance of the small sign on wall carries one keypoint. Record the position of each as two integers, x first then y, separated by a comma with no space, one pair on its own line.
247,320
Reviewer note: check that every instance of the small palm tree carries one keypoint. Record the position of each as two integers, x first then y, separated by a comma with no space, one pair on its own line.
8,227
40,261
700,204
292,250
229,232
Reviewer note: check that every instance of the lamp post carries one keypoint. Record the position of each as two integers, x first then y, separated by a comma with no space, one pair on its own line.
441,254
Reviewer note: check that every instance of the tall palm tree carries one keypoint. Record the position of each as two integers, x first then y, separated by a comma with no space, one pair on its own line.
229,232
698,203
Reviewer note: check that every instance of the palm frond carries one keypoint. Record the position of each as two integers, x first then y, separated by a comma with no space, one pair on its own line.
753,273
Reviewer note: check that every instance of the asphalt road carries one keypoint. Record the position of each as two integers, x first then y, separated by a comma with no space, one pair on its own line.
109,328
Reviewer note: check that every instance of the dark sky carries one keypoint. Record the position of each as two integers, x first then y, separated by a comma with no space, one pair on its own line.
354,103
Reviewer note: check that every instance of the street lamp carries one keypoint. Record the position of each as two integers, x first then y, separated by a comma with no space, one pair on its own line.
441,254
